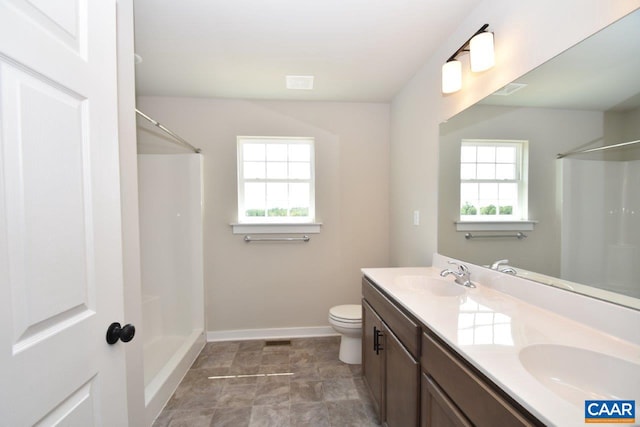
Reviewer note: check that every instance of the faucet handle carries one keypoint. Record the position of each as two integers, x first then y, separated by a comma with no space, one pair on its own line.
498,263
461,267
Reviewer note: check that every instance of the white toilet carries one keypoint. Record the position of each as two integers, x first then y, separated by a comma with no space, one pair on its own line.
347,320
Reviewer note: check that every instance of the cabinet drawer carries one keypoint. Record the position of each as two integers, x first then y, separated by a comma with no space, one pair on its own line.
407,331
481,404
437,409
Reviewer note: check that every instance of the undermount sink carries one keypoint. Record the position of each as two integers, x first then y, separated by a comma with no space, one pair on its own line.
576,374
433,285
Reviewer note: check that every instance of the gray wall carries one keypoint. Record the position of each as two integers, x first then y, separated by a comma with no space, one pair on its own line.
262,286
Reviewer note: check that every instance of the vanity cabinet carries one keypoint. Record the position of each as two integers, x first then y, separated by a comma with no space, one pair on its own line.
390,347
455,395
418,380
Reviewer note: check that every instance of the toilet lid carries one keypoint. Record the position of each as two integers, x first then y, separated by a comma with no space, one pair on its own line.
347,313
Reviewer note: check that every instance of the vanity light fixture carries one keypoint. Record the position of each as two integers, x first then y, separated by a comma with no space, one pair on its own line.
451,76
482,57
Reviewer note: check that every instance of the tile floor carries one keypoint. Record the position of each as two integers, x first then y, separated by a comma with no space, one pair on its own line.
317,391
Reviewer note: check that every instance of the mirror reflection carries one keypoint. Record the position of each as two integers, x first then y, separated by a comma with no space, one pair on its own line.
584,208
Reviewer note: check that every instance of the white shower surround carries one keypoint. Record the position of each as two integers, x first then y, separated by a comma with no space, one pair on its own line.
172,271
601,224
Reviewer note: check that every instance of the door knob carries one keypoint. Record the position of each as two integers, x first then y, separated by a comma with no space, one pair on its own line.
116,332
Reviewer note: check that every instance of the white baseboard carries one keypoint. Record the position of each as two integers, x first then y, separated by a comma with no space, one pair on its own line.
271,333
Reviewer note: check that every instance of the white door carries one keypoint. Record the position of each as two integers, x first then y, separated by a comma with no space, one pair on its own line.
60,229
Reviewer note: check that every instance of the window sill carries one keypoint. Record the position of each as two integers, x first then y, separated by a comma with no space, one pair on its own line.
495,225
270,228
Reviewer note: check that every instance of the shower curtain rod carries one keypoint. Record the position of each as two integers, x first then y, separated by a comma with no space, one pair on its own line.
178,138
590,150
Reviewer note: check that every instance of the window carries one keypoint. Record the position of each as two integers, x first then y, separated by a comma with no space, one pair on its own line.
493,180
275,180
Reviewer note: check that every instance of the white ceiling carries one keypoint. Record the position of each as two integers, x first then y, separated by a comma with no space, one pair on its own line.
358,50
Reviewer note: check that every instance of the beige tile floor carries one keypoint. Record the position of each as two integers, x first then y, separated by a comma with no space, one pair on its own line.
248,383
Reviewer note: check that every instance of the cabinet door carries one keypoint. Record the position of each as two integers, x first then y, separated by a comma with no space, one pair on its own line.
402,384
373,355
437,409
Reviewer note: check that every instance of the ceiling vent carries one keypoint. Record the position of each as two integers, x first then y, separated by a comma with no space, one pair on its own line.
509,89
300,82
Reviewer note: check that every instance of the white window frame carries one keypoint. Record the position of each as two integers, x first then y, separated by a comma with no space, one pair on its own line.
521,210
275,220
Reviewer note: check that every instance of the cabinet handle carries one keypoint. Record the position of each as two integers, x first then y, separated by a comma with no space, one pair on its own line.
375,339
377,333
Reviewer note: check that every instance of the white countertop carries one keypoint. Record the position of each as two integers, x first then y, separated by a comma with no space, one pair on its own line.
490,327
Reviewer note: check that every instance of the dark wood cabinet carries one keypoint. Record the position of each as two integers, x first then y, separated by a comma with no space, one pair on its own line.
437,410
416,379
481,402
391,370
403,384
373,355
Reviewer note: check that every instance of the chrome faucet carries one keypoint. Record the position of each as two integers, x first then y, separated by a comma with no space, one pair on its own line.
462,274
496,265
509,270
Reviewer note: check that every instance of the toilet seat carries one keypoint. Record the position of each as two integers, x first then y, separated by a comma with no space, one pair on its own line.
348,313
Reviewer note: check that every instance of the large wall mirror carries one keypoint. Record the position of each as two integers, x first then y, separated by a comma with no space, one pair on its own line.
586,207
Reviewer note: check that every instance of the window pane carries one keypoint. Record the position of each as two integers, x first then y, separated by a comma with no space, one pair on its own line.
486,154
277,191
488,191
299,153
489,207
486,171
254,170
506,154
277,208
299,194
299,199
254,193
468,171
255,212
468,193
299,211
277,152
253,152
299,170
508,191
468,154
506,171
277,170
254,199
506,208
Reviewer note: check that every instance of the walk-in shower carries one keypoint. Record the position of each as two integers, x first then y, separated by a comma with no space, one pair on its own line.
601,223
172,282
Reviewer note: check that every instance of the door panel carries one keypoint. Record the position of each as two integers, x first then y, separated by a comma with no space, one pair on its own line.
76,410
45,124
54,22
60,232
